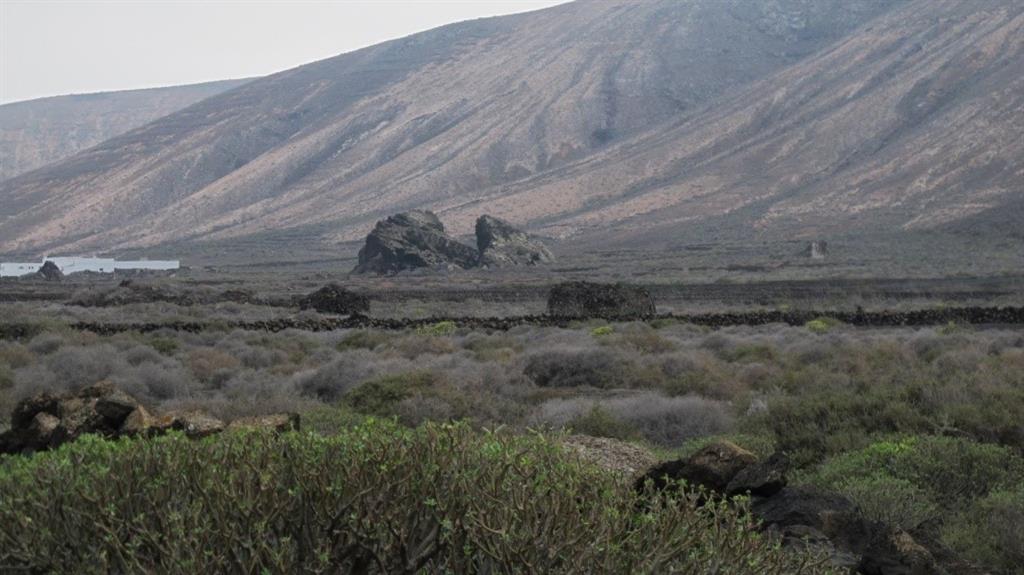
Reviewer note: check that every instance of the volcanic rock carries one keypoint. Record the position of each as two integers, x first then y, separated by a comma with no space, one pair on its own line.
712,467
280,422
762,479
593,300
193,423
501,244
619,457
50,272
333,298
412,240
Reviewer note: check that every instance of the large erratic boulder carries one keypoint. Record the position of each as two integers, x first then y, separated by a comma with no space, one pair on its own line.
46,421
580,299
50,272
333,298
805,517
409,241
500,245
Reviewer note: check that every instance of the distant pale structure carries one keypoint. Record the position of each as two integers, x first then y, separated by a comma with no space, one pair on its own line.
70,265
817,250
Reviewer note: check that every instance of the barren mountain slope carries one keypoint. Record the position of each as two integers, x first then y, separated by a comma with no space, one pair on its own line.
916,122
35,133
440,119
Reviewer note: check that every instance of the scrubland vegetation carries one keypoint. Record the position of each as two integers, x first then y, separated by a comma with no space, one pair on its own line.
921,428
373,498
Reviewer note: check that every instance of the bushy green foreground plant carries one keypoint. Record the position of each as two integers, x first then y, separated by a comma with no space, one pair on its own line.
971,493
991,531
376,498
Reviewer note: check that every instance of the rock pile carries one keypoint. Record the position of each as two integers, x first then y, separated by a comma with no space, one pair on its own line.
333,298
417,240
46,421
594,300
805,517
500,244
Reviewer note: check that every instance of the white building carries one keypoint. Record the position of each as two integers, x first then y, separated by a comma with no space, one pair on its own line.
14,270
70,265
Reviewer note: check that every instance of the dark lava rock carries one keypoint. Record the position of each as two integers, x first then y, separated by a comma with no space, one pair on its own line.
712,467
409,241
333,298
50,272
762,479
609,301
803,514
500,244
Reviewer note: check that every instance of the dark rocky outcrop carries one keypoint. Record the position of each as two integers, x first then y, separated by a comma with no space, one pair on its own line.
712,467
333,298
762,479
806,517
409,241
500,244
46,421
594,300
50,272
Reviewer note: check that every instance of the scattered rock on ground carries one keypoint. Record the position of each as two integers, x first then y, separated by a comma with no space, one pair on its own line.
617,456
412,240
333,298
579,299
500,244
278,422
46,421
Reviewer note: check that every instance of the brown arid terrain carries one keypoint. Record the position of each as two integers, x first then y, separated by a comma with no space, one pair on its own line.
613,122
35,133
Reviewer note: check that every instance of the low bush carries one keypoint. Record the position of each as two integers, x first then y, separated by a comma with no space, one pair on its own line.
951,471
380,396
364,339
577,369
991,531
599,422
439,329
373,499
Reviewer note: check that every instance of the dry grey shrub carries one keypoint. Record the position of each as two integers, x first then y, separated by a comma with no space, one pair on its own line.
46,343
666,421
332,381
565,368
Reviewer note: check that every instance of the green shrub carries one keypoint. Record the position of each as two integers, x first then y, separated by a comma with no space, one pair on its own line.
817,425
439,329
951,471
375,498
599,422
822,325
380,396
891,500
364,339
165,345
991,531
602,331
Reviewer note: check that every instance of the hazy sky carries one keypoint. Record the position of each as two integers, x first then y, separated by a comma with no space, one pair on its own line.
51,47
